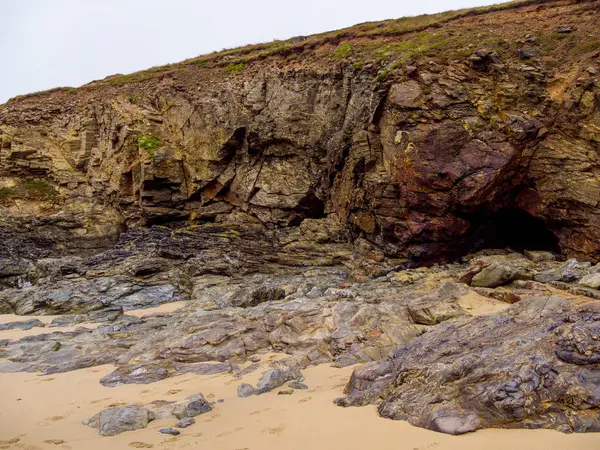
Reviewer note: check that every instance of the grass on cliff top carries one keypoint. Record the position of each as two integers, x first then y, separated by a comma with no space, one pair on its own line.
232,58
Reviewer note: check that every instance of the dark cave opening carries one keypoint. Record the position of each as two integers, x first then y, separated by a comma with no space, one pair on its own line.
511,228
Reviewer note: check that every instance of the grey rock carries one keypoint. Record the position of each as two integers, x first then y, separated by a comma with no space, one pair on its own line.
113,421
245,390
193,406
494,275
520,360
24,325
297,385
186,422
564,29
172,431
246,298
573,270
437,307
539,256
273,379
142,373
592,280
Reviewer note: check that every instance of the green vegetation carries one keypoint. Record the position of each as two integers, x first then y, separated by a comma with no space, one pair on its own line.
150,143
358,65
292,57
29,189
234,60
343,51
234,69
36,188
132,98
6,192
587,46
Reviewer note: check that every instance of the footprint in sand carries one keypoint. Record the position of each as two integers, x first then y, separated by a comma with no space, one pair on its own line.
303,400
276,430
54,441
10,442
14,443
140,445
211,418
48,420
98,401
173,392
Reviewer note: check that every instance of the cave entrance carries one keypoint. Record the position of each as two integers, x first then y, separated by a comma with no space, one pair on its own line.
512,228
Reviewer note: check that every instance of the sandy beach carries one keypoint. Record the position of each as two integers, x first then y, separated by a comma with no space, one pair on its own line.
40,412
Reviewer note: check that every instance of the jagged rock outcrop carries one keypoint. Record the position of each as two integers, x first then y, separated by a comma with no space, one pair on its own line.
434,158
534,365
345,198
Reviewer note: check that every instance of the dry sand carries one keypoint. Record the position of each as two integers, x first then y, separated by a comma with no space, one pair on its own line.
43,412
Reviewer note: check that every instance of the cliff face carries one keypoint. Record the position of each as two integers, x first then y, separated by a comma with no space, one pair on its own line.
432,139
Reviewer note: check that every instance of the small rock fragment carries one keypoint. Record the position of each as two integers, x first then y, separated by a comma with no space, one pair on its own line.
185,422
286,392
172,431
297,385
245,390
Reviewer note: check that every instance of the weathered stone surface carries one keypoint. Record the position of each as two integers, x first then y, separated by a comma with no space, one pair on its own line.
23,325
185,422
592,280
441,157
271,380
301,206
487,374
143,373
193,406
245,390
113,421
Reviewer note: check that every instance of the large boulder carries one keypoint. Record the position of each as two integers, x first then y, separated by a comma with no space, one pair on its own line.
113,421
193,406
533,365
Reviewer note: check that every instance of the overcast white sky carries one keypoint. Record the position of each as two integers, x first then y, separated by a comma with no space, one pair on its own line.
50,43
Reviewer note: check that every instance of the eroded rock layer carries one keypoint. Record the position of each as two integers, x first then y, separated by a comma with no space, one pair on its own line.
429,154
401,194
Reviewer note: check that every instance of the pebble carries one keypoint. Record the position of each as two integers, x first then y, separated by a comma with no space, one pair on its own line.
297,385
286,392
172,431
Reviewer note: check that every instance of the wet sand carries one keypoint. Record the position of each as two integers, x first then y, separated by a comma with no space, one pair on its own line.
42,412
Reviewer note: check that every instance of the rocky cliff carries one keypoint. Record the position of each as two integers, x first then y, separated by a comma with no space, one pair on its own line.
430,137
289,191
